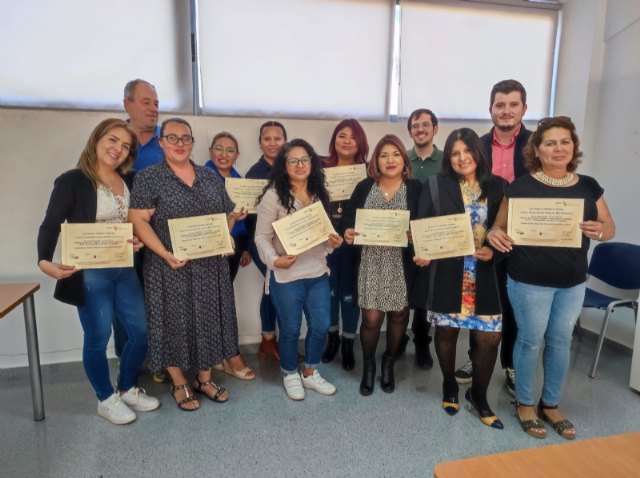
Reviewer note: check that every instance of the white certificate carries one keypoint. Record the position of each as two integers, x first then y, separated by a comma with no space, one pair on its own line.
97,245
342,180
382,227
245,192
304,229
200,236
545,222
443,236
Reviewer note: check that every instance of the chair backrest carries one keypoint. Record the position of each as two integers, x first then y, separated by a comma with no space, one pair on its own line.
614,270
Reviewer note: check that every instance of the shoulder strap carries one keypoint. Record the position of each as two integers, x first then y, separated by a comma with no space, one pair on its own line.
435,199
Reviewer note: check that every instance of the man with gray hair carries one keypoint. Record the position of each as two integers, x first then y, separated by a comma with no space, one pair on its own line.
141,103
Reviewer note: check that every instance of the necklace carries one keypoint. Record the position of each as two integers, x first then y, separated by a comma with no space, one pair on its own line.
543,178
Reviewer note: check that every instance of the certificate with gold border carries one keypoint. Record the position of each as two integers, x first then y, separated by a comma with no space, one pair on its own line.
548,222
443,236
382,227
304,229
245,192
97,245
200,236
342,180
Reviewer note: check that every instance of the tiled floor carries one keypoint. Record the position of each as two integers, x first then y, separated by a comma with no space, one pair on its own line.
262,433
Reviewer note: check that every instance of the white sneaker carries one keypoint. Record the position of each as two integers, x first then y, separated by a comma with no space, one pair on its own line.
293,386
115,410
319,384
138,400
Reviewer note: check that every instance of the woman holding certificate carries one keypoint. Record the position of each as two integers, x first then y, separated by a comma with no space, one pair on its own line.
348,147
190,303
271,138
224,152
97,191
460,291
300,282
546,280
383,271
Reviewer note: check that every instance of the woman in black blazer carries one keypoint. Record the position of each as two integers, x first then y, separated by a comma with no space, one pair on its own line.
98,191
382,272
461,292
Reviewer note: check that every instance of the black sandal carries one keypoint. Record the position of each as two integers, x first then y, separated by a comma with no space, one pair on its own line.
534,428
198,385
189,397
561,426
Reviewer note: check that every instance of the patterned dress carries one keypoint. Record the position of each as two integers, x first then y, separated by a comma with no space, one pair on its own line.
467,318
381,281
191,310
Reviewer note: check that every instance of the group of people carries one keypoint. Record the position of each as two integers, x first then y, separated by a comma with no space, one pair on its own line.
528,297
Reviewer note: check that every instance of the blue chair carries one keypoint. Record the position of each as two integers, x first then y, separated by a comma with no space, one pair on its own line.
613,281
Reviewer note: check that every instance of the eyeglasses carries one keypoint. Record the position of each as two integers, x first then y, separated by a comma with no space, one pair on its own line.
295,161
548,119
426,124
174,139
220,150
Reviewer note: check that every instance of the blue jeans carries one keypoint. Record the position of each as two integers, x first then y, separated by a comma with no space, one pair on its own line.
342,284
267,310
110,293
312,297
545,317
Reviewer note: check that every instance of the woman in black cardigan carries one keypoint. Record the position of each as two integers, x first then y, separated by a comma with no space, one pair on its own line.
461,292
382,273
98,191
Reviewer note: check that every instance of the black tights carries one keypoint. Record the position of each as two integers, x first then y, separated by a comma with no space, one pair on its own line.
485,352
370,331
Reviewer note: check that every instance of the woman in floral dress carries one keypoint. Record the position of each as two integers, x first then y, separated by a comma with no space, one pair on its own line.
461,292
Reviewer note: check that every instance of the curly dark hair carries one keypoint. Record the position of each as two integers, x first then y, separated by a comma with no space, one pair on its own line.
279,179
483,173
531,160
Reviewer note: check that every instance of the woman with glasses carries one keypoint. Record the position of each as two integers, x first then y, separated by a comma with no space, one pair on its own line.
190,303
383,272
348,146
297,283
546,283
271,138
97,191
224,152
461,292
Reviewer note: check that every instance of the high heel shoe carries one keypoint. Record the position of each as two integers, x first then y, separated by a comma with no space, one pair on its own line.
485,414
450,405
368,377
333,345
562,426
534,428
269,348
346,351
387,379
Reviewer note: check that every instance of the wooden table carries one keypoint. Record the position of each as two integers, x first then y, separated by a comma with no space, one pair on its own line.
11,296
613,456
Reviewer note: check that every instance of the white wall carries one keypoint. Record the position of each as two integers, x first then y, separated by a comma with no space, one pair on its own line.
599,74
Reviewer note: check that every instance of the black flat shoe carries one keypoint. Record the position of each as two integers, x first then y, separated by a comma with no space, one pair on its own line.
346,352
387,379
485,414
333,345
368,377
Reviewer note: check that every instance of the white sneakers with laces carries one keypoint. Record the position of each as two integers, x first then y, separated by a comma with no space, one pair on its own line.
115,410
138,400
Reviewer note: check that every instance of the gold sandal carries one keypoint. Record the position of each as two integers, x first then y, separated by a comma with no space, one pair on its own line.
189,397
198,386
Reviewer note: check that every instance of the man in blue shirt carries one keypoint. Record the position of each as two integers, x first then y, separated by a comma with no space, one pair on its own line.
141,103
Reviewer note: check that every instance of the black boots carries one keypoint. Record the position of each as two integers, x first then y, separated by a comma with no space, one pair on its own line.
346,351
368,376
387,380
333,343
424,359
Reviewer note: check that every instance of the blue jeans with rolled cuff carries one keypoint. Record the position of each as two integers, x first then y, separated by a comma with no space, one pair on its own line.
291,299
